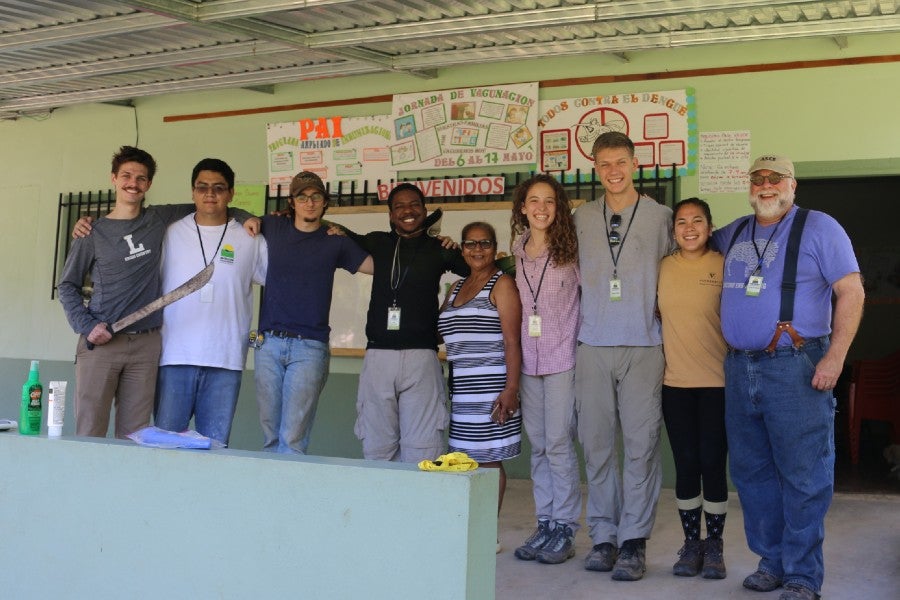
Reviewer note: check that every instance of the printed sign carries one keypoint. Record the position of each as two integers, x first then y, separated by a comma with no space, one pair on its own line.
344,151
662,125
465,127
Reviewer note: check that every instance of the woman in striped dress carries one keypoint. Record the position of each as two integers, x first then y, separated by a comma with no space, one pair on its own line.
480,323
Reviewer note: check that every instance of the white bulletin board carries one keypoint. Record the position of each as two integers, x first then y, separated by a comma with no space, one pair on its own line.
350,300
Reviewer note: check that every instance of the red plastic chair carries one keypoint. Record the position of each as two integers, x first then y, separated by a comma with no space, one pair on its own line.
874,395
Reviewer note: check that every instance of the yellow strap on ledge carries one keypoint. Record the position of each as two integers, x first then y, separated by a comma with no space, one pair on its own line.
455,461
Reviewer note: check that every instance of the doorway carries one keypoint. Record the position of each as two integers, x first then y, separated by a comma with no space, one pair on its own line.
869,210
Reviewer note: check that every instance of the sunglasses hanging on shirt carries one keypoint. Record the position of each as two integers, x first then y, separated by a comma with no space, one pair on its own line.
615,238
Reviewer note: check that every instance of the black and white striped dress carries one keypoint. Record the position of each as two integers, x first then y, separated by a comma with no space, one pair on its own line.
477,376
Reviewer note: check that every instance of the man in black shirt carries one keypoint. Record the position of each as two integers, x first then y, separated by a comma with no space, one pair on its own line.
401,403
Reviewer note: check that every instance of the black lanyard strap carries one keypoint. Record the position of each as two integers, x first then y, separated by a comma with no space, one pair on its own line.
759,257
615,255
534,295
219,245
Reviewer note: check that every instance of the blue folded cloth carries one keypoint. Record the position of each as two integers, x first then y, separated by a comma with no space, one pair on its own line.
154,437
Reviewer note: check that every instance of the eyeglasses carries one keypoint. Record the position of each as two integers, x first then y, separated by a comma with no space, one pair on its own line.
316,198
773,178
483,244
615,222
218,189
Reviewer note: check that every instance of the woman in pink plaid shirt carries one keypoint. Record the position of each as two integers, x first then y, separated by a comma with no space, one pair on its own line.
546,251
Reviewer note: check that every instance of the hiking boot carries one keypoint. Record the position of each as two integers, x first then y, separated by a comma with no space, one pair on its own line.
631,564
760,581
560,548
713,559
690,559
536,541
795,591
602,557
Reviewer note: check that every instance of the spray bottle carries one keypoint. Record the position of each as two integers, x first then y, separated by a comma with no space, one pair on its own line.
30,413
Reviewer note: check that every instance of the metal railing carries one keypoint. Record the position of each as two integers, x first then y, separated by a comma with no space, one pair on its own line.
658,183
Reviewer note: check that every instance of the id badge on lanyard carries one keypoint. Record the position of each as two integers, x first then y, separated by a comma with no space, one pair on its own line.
534,326
393,318
754,285
615,289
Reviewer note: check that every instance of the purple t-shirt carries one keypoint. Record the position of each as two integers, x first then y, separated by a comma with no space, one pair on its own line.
300,278
826,255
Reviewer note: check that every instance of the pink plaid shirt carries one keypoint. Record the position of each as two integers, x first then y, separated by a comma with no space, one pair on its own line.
558,305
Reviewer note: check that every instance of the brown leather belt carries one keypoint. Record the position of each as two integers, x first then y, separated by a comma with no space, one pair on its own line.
785,327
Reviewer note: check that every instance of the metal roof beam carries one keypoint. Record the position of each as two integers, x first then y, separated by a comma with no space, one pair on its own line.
183,10
217,10
539,17
232,80
228,9
141,62
56,35
620,44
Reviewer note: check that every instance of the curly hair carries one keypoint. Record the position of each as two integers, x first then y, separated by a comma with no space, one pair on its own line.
561,237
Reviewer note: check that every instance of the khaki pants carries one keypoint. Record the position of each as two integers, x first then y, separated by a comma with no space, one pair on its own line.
401,406
123,369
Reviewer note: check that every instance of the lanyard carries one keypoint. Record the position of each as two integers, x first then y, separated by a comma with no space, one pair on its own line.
219,245
615,255
759,257
534,295
398,276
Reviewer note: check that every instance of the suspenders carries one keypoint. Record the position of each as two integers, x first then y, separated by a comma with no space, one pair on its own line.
788,281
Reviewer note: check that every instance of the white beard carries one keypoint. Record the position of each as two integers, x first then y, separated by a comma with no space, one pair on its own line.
774,208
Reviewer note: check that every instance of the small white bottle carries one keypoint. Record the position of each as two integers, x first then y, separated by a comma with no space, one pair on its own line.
56,408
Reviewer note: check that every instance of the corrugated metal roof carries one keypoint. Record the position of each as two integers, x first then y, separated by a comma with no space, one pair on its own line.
60,53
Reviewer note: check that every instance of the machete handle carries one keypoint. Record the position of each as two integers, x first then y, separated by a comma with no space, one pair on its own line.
90,345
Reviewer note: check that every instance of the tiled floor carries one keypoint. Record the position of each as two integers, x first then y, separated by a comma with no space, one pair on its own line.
862,556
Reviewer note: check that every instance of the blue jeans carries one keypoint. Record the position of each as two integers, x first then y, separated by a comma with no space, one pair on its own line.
781,439
209,394
290,374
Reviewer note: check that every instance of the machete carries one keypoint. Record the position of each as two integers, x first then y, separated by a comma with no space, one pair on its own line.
188,287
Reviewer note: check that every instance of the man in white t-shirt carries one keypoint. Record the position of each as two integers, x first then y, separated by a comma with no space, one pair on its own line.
205,334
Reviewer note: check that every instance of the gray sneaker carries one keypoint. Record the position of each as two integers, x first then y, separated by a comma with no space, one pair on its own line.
602,557
536,541
690,559
631,564
560,548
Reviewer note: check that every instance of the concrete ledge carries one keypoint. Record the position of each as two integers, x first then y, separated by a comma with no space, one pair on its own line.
92,518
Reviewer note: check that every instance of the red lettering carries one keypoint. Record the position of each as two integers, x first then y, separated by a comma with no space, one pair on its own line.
449,187
306,127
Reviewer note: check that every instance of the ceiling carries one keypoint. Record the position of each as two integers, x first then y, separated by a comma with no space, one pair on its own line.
55,54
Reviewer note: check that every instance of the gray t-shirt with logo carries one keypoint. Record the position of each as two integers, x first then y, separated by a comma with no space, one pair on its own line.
122,257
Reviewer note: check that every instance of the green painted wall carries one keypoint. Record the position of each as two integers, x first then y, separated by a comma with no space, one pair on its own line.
831,121
105,519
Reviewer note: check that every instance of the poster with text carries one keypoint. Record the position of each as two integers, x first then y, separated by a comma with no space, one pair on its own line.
724,159
343,151
465,127
662,125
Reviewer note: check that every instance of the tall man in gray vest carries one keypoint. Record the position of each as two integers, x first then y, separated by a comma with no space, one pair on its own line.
786,353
